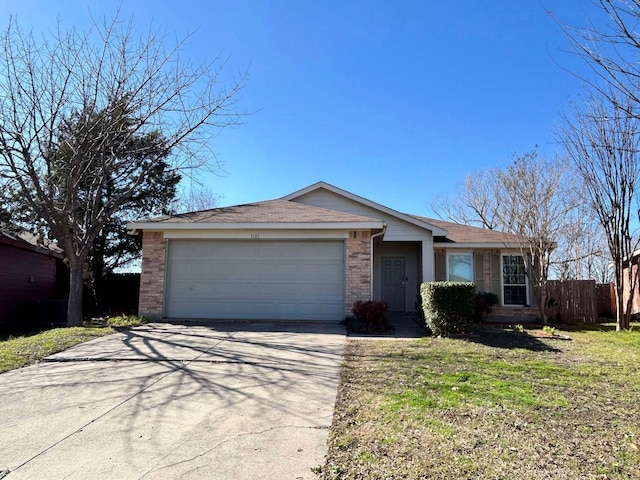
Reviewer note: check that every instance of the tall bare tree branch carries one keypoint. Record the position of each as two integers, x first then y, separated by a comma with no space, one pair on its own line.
46,84
603,140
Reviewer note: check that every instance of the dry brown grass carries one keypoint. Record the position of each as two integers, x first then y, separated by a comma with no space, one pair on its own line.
500,405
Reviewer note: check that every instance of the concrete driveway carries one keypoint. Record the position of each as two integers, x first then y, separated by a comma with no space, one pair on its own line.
166,401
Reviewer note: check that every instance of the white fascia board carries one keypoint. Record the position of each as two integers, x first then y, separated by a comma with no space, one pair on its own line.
167,226
258,235
436,231
634,255
458,246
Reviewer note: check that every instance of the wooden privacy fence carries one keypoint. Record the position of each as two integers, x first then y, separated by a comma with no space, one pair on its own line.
573,300
606,297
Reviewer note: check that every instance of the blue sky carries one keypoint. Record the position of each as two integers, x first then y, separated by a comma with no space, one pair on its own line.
395,101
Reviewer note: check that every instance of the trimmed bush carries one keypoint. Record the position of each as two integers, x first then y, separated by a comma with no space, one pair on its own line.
371,314
484,302
448,307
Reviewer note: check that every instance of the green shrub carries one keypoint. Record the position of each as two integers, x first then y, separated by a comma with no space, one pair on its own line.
126,321
448,306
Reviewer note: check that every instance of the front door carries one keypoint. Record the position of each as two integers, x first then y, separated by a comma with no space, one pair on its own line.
393,282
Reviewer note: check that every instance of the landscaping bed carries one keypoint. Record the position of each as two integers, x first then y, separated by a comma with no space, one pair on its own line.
498,404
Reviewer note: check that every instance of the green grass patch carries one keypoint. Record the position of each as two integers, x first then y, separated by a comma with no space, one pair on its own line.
126,321
23,350
485,382
502,404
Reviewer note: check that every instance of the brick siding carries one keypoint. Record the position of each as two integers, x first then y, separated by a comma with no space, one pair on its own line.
357,274
358,268
153,274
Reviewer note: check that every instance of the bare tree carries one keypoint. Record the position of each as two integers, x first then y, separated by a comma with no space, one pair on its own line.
532,198
535,204
476,204
602,139
582,251
610,46
122,88
195,198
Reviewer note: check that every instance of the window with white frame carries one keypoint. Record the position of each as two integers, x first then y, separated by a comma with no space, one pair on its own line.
514,280
460,267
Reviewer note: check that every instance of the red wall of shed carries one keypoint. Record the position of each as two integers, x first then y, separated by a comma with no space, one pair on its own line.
25,276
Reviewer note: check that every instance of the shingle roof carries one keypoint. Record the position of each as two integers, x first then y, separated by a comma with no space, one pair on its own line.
465,234
271,211
29,241
287,211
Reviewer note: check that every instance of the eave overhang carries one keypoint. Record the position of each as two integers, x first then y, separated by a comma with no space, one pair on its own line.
173,226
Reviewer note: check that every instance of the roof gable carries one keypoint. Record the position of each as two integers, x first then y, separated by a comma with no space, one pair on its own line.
436,231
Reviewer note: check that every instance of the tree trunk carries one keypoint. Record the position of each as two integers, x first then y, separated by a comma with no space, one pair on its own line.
74,307
620,314
541,301
97,272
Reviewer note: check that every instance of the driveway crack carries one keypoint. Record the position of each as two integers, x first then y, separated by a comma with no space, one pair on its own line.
229,438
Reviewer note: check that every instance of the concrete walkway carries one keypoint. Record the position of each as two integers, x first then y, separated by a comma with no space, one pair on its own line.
224,401
406,326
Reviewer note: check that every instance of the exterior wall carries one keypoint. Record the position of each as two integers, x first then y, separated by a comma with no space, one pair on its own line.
153,274
487,269
408,250
397,230
25,277
358,269
490,279
154,253
427,272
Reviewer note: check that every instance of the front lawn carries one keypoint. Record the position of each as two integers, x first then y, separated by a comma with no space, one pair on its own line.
21,350
499,405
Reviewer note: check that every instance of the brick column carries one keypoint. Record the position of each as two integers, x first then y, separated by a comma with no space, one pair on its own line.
358,268
152,277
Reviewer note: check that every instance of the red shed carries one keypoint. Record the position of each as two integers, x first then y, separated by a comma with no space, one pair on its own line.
27,272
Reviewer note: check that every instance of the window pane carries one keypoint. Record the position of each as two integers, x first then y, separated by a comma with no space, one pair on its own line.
460,268
514,280
515,295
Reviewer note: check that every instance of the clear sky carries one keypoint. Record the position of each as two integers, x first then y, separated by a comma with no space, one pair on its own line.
396,101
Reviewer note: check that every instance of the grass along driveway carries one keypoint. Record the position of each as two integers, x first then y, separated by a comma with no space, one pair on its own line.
20,350
27,349
500,405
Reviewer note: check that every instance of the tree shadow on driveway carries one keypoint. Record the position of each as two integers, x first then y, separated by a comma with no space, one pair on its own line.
168,398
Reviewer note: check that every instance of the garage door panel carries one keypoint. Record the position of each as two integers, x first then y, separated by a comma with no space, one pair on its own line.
267,250
256,280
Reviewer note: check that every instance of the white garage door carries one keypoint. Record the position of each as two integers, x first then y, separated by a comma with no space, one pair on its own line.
278,280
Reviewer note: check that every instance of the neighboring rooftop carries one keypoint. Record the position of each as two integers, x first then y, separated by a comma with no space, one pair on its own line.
29,241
